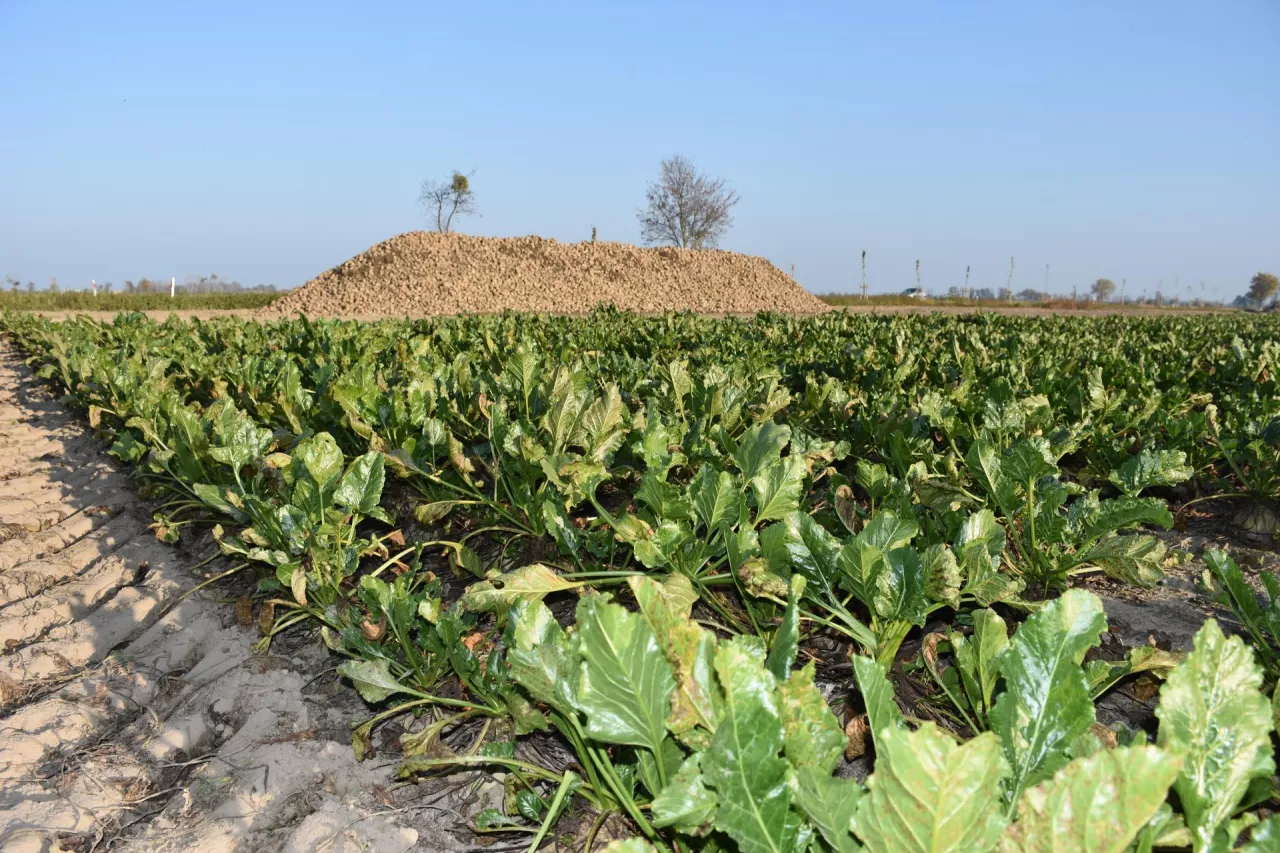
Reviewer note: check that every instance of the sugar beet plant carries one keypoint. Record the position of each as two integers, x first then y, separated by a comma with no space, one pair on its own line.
747,488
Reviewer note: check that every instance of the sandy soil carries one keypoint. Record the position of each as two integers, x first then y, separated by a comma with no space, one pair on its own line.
134,719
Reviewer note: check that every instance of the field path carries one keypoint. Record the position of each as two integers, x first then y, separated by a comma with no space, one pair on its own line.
134,719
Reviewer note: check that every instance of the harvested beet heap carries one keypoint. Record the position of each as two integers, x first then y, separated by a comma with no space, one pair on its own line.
423,273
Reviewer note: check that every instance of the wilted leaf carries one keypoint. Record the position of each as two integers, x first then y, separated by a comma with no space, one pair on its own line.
372,679
529,583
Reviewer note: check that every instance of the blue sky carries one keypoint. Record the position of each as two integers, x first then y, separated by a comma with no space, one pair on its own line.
269,141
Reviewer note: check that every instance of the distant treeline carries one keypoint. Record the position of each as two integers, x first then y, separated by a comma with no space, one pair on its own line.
183,300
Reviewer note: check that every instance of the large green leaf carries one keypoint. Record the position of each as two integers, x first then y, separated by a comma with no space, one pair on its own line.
1093,805
829,803
930,795
864,557
1213,713
899,587
716,497
696,705
979,545
742,763
1151,468
361,486
759,447
541,657
626,684
778,488
321,459
812,734
372,679
1045,704
1265,837
813,553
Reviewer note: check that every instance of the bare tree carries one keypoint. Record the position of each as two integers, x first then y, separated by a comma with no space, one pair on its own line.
1103,289
685,208
447,199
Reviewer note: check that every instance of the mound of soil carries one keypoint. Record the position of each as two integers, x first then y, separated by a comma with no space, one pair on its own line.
423,273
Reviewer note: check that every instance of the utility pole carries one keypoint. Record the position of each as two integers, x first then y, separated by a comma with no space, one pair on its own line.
1123,282
1009,283
1046,279
173,283
93,285
966,281
1074,299
917,274
864,275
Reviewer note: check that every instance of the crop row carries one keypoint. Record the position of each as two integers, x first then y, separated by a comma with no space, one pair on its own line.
749,486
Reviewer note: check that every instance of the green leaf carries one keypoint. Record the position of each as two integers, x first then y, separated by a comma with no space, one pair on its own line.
716,497
899,587
877,696
541,657
686,804
696,704
1045,704
863,558
1212,712
778,488
1151,468
529,583
786,640
978,657
1265,838
984,463
664,499
1097,804
1135,560
1091,519
320,458
760,446
813,736
978,547
930,795
742,763
814,553
941,574
829,804
373,679
626,684
1028,461
361,487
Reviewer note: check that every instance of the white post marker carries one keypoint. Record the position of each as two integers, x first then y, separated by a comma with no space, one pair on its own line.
93,285
172,284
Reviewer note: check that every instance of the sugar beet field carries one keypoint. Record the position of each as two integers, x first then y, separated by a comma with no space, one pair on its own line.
640,583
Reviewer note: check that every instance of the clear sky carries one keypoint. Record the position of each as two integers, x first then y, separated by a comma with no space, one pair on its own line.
267,141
